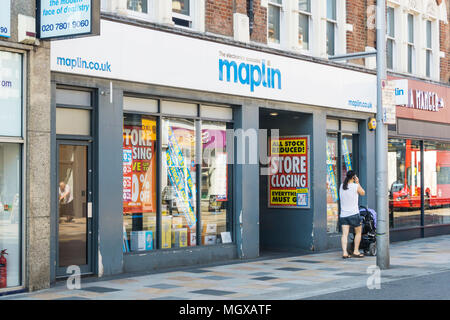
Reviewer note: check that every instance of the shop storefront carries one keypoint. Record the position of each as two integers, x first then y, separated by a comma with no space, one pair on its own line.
168,163
419,161
11,170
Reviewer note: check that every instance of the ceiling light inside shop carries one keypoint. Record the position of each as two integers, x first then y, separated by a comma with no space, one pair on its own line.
274,114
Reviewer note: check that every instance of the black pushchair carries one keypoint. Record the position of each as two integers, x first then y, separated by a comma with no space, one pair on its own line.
368,236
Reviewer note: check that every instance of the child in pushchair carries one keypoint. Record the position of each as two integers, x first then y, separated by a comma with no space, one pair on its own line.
368,235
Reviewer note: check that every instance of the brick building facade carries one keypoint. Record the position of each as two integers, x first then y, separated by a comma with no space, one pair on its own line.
360,26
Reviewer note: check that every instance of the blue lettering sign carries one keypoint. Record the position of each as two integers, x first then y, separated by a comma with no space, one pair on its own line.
59,18
253,75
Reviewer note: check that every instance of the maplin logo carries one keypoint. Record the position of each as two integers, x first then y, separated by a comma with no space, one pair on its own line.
253,75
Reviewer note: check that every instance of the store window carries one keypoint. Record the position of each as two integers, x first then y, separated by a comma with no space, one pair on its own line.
332,183
331,26
161,193
342,155
138,5
10,211
179,183
214,195
404,181
304,21
274,20
139,182
11,92
436,182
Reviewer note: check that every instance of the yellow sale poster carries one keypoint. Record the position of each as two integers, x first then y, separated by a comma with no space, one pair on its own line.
289,185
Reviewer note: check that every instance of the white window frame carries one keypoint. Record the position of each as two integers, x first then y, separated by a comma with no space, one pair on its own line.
299,12
335,28
392,38
143,14
429,49
411,44
280,6
184,17
121,7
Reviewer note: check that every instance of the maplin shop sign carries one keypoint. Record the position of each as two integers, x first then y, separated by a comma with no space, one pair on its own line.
251,72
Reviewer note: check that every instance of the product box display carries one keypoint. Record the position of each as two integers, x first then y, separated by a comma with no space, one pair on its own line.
166,234
141,240
179,238
192,237
211,228
208,240
226,237
177,222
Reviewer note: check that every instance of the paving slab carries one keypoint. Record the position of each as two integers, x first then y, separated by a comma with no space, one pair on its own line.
294,277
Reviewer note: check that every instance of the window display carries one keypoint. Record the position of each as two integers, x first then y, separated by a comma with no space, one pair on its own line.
10,94
139,182
160,189
178,183
214,186
343,157
10,212
332,183
436,182
404,170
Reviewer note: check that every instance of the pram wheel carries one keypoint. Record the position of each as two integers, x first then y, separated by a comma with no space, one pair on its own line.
372,249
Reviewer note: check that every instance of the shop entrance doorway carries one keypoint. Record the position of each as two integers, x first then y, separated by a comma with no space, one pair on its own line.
74,213
74,228
286,225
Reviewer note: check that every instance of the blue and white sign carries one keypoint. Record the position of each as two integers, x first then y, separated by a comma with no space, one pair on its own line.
5,18
10,94
64,18
151,56
401,92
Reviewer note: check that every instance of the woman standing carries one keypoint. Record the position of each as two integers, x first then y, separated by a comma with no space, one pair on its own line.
348,194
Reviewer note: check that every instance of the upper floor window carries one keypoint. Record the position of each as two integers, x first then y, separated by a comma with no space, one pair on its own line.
428,48
331,26
274,20
181,13
304,21
138,5
410,42
390,30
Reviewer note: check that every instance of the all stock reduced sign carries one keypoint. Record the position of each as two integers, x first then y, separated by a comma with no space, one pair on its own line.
67,18
289,185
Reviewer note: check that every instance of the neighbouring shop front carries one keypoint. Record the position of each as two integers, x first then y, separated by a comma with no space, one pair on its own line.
153,151
11,170
419,162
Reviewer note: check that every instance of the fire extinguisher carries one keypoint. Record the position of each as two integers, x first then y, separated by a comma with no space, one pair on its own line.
3,273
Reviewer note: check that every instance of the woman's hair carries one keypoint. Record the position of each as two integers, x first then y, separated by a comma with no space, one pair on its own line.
350,175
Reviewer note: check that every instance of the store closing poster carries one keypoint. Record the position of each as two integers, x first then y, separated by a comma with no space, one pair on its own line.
289,185
139,168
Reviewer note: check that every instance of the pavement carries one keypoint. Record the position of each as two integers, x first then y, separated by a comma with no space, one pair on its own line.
312,276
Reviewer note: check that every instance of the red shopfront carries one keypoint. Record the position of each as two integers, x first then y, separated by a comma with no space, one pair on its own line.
419,161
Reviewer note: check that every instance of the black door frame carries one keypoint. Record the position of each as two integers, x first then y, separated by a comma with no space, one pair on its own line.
89,268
